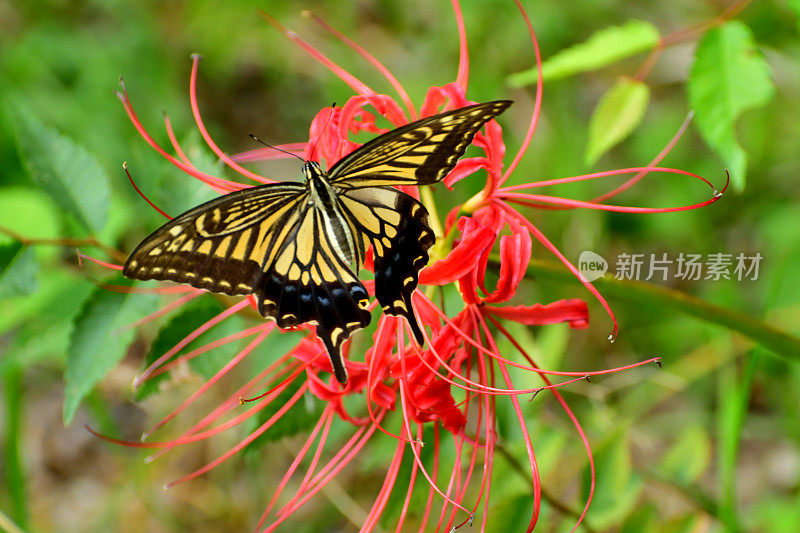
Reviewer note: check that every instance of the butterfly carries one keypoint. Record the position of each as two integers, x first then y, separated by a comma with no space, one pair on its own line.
299,246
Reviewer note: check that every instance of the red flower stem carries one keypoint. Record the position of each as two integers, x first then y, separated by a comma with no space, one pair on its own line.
524,199
144,376
265,327
537,494
325,421
344,454
357,85
386,489
228,405
474,387
571,416
462,78
370,375
232,402
112,266
537,103
407,421
597,175
431,486
286,512
401,519
250,438
451,487
175,144
218,184
164,310
209,141
398,87
138,190
654,163
185,438
547,244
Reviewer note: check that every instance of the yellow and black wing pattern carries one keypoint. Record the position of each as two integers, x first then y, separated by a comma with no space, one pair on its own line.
396,225
420,153
308,280
299,247
221,245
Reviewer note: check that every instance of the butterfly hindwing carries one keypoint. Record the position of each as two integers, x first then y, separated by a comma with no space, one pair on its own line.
397,227
308,280
419,153
220,245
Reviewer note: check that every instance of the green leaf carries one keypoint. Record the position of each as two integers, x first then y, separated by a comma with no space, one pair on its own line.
617,490
795,6
729,76
189,319
17,270
64,170
99,341
619,111
688,457
606,46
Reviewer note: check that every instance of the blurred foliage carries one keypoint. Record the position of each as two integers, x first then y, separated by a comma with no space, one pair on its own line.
709,442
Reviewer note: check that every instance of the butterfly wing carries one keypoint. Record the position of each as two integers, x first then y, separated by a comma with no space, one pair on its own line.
221,245
419,153
310,280
397,227
394,223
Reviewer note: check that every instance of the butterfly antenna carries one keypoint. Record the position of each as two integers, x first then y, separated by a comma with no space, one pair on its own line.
276,148
330,116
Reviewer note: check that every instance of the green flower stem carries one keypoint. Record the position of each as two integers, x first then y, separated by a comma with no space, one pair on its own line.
779,342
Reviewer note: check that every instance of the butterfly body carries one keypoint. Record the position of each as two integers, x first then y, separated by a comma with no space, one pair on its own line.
299,246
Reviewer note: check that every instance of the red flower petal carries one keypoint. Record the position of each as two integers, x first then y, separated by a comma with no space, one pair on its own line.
573,311
462,258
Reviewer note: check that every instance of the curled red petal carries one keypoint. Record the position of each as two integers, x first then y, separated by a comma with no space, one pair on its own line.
438,99
573,311
515,253
465,167
463,258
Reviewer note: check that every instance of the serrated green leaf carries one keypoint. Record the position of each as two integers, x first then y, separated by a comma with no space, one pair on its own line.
98,341
64,170
604,47
18,270
191,317
688,457
728,77
619,111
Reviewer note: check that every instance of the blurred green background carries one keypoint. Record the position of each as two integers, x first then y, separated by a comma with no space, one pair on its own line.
708,443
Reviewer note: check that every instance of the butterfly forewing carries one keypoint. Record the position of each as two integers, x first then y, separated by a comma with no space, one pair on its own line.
419,153
221,245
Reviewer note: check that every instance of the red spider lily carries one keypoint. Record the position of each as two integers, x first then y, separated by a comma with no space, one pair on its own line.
453,385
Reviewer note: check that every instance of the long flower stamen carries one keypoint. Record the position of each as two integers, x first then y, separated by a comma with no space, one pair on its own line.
204,132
